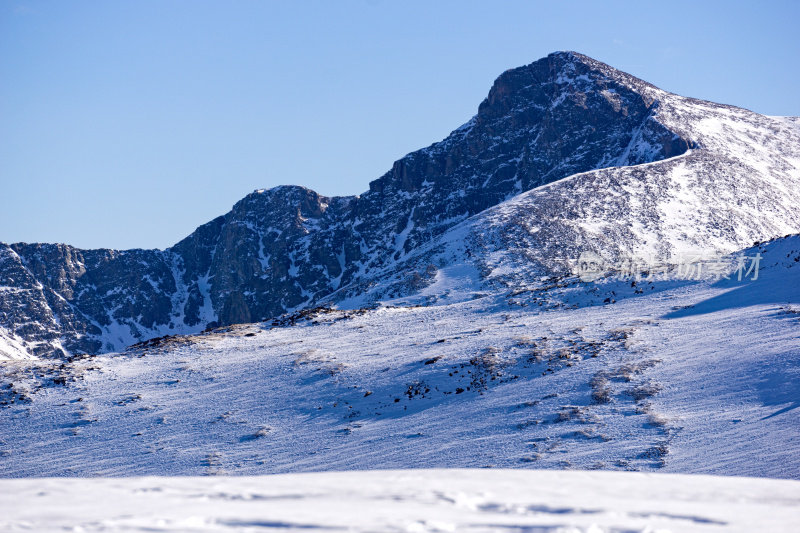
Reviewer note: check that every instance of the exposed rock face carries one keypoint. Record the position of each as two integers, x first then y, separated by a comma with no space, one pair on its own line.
288,247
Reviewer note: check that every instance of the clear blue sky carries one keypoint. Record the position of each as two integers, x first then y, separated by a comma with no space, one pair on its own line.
129,123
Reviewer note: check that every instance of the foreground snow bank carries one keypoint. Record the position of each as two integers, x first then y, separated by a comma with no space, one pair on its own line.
404,500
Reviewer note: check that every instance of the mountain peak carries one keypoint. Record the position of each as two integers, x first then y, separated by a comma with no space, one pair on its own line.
547,81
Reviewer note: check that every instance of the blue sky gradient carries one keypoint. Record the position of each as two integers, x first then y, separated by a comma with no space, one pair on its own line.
128,123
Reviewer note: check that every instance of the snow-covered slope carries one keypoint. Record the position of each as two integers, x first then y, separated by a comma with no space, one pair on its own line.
13,348
405,501
663,375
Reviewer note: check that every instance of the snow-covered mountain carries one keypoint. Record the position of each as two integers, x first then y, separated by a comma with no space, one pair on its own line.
565,154
440,323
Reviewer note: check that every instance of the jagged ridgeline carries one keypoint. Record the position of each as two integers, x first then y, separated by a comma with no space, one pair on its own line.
563,154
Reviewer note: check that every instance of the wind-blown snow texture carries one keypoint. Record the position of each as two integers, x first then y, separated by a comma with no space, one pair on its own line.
669,375
564,154
435,501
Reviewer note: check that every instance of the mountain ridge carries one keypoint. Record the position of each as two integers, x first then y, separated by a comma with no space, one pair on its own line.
565,119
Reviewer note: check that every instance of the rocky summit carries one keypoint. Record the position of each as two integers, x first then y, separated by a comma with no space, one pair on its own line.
563,155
